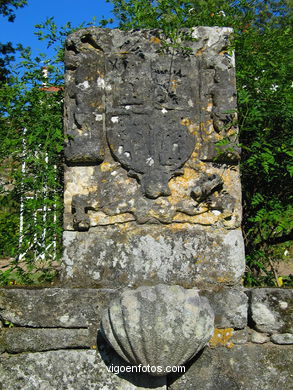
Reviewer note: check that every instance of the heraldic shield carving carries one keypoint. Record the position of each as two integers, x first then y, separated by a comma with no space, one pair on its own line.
144,124
151,153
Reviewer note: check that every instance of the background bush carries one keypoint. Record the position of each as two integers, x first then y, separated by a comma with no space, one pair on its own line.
263,42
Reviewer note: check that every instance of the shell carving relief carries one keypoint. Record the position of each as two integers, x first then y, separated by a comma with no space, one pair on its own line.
158,326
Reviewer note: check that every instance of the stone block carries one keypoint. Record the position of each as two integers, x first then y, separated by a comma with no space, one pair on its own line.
130,255
283,338
259,338
230,306
54,307
72,370
81,308
243,367
17,339
272,310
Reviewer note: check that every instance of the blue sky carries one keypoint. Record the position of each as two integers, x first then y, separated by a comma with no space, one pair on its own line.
36,12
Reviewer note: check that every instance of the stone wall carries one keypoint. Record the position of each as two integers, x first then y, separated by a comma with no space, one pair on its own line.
53,343
153,251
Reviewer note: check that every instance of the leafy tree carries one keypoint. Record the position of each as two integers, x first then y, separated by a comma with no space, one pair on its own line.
8,7
7,51
31,144
9,215
264,47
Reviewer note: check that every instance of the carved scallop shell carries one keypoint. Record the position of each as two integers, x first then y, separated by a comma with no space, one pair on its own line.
158,326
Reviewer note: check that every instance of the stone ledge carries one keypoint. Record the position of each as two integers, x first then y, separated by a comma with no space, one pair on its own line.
17,340
54,307
81,308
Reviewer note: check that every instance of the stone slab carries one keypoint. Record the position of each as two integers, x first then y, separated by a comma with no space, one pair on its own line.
243,367
131,255
265,367
283,338
272,310
54,307
83,308
17,339
72,370
230,306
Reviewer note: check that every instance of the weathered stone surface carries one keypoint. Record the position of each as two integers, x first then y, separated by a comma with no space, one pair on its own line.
139,114
158,326
54,307
81,307
240,337
283,338
245,367
17,339
88,204
272,310
259,338
131,255
146,177
230,306
69,370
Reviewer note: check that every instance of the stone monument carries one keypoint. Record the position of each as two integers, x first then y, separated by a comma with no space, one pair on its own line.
152,188
153,250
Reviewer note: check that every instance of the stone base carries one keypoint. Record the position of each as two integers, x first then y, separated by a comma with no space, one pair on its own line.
120,256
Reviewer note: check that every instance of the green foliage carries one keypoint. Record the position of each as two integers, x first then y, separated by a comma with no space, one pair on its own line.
31,177
31,134
264,46
27,102
7,51
265,119
8,324
7,8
